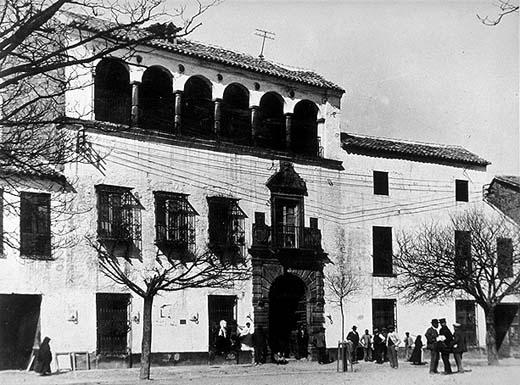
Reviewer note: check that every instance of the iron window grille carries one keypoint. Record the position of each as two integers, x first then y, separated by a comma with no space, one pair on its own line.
462,253
35,225
119,214
226,228
174,220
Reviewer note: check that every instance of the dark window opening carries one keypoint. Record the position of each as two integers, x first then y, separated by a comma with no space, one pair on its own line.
382,251
465,316
112,324
226,229
235,121
461,190
304,130
174,221
112,92
198,108
383,313
35,225
119,214
271,128
156,105
380,183
462,253
288,220
505,257
221,308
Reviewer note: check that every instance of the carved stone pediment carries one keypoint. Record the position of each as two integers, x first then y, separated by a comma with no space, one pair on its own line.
287,181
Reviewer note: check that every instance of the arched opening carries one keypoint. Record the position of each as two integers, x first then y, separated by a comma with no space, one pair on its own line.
287,311
272,126
156,100
197,109
236,117
304,132
112,92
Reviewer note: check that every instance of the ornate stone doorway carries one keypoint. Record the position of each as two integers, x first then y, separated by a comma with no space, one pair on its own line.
287,310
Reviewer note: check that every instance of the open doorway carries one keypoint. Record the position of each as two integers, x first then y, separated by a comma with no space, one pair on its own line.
19,331
287,310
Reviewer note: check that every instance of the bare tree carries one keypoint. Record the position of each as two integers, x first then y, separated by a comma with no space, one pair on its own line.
505,7
342,283
171,273
475,254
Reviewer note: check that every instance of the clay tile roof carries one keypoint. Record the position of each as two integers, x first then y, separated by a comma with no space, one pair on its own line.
36,168
509,179
206,52
383,147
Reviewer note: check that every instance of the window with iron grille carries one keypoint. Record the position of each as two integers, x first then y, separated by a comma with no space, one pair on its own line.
119,214
226,227
462,253
380,183
383,313
461,190
505,257
465,316
174,220
382,251
35,225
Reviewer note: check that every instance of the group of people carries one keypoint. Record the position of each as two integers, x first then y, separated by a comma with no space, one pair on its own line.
381,346
441,341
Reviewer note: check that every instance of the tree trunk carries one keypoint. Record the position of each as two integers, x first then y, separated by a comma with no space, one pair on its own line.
491,340
342,321
146,343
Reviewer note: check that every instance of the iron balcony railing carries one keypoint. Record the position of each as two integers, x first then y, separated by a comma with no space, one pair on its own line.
176,236
286,236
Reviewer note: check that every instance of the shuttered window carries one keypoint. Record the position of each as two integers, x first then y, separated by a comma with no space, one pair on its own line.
462,253
382,251
35,225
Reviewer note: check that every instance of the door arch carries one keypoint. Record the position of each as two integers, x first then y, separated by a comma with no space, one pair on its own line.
287,310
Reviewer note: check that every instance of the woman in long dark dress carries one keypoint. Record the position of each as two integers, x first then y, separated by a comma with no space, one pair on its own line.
416,357
43,365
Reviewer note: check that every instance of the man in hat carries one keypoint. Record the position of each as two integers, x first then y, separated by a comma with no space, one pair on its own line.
392,340
445,345
431,344
459,346
354,337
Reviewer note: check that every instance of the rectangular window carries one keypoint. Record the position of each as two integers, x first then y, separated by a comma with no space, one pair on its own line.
35,225
174,220
462,253
383,313
226,229
287,221
380,183
461,190
505,257
465,316
119,214
382,251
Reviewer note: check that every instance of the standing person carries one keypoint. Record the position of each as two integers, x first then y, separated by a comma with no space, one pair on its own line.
302,341
416,357
353,336
223,341
321,345
392,341
408,343
366,343
459,346
44,358
431,344
260,345
445,345
378,346
384,348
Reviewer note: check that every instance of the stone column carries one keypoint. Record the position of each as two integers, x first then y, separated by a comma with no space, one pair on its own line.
255,122
288,128
134,114
218,114
177,113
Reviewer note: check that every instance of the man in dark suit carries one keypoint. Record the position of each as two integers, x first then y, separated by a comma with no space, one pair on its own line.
353,336
431,344
445,345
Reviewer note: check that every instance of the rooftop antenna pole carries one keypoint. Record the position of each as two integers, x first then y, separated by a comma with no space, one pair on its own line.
264,35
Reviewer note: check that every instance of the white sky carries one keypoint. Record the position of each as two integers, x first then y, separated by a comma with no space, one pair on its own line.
418,70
